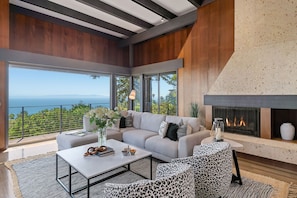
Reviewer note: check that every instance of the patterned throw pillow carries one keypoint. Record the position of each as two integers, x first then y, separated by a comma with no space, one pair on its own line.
163,128
129,121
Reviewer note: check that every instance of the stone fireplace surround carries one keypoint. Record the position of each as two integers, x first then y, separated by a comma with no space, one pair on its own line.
270,106
263,146
261,73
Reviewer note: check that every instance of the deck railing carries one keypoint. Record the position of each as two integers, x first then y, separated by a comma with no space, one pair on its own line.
48,119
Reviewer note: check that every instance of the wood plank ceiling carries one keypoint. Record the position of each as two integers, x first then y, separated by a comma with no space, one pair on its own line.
127,21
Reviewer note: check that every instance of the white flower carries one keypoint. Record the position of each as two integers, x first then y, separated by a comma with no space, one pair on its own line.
103,117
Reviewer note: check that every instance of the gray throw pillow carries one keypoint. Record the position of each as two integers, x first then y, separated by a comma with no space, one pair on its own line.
181,131
129,121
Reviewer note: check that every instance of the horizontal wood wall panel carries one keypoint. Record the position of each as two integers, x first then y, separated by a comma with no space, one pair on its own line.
160,49
37,36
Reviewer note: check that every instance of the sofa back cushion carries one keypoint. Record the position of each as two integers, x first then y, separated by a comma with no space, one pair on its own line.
136,118
193,122
174,119
151,122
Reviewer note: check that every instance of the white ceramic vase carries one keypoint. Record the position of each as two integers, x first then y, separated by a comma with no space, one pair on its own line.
287,131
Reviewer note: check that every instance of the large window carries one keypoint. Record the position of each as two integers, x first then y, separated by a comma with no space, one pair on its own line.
160,93
42,102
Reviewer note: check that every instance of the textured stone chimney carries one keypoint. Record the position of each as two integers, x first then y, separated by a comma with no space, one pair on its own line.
264,62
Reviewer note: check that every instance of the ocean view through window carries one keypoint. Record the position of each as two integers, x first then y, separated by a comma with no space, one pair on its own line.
36,104
43,101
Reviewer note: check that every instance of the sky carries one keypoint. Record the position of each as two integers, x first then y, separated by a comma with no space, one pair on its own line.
31,82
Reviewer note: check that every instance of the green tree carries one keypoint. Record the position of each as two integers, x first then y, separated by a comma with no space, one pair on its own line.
47,121
123,90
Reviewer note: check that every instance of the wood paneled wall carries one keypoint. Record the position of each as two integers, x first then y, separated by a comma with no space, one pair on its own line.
4,43
160,49
205,50
208,48
37,36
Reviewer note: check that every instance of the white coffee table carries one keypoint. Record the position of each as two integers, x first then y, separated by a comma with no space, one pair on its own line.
92,166
234,145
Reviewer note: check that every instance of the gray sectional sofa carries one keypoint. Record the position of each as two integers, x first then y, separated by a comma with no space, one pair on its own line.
144,133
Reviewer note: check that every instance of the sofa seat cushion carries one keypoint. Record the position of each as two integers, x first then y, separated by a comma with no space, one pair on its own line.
137,137
164,146
66,141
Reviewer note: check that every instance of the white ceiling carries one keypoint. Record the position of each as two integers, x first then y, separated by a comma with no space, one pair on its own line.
177,7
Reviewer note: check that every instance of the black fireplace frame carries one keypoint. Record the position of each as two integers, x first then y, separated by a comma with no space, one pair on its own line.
254,131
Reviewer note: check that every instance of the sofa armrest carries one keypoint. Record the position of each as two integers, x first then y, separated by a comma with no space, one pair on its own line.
187,143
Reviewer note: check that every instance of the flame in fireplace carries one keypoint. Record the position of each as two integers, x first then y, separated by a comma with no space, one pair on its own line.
241,123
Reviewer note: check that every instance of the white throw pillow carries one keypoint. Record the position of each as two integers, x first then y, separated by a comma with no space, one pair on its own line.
87,126
163,128
189,129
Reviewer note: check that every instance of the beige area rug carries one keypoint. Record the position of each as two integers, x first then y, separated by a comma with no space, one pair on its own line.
280,189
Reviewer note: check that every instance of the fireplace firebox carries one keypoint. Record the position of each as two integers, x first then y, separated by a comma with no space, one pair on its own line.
240,120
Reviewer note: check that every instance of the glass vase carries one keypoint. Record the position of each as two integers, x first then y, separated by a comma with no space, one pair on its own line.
101,137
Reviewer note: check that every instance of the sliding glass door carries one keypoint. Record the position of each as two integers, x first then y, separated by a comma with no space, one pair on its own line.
122,92
168,95
160,93
136,85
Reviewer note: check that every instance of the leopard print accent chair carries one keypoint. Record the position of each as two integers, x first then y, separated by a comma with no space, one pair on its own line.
212,164
172,180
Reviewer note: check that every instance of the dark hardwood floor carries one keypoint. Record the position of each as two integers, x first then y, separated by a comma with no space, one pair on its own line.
267,167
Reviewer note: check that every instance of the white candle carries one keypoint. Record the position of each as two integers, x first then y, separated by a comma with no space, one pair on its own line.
218,133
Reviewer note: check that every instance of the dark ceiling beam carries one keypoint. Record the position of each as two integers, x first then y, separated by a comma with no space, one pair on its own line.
40,16
116,12
174,24
205,2
80,16
197,3
152,6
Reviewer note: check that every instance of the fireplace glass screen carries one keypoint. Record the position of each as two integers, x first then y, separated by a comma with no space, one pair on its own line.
239,120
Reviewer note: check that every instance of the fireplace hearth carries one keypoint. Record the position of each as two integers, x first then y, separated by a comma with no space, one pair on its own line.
240,120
